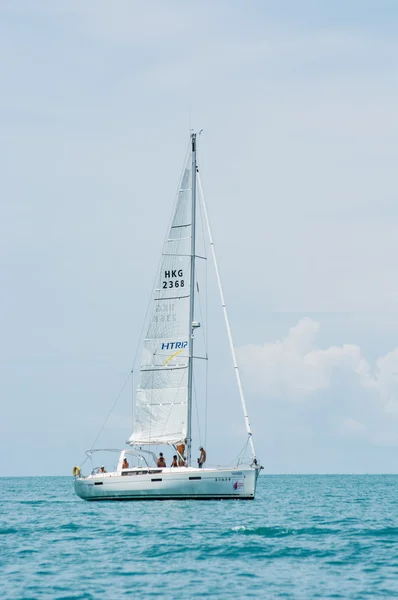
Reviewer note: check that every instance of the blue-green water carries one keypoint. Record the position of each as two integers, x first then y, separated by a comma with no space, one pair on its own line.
303,537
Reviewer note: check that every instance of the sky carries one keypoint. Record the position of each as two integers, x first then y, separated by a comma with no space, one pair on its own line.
297,101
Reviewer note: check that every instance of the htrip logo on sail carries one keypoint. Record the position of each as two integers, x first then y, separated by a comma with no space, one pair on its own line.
174,345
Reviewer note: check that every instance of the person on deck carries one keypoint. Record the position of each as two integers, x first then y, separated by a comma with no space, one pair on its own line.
125,464
181,457
202,457
102,469
161,462
174,461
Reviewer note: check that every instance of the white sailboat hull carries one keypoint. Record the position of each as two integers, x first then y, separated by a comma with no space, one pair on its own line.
170,484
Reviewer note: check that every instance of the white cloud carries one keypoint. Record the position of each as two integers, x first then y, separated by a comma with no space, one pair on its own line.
385,381
353,428
295,367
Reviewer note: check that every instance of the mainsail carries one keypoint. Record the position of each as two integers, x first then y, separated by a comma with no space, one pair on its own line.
160,412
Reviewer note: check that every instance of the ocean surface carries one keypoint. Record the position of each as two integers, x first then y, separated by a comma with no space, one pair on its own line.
303,536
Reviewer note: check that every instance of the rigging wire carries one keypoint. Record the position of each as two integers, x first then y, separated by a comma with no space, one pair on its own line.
241,453
203,316
206,369
205,344
206,329
226,319
196,406
109,414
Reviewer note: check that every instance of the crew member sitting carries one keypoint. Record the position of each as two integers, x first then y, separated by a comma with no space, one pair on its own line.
202,457
181,457
125,464
161,461
174,461
102,469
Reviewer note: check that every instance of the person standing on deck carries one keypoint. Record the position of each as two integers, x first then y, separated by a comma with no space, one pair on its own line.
181,457
202,457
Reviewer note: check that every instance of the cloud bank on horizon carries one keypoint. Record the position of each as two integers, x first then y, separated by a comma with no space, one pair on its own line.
295,368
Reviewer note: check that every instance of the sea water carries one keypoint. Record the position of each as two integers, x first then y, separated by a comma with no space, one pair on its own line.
302,537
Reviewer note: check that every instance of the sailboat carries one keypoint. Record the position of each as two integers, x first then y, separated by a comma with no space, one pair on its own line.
163,409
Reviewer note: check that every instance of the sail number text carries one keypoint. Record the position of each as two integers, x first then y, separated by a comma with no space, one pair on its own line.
167,313
173,279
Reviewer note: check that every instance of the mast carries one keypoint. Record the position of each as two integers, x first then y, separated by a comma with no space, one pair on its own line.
192,300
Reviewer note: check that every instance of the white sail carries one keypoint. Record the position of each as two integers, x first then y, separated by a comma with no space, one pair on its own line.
160,412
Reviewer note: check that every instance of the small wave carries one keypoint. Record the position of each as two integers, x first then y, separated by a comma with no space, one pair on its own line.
300,552
383,532
157,551
27,552
264,531
254,550
179,571
126,534
126,530
71,527
318,531
8,531
276,531
259,550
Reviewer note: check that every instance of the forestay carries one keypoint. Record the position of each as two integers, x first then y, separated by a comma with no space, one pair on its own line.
160,412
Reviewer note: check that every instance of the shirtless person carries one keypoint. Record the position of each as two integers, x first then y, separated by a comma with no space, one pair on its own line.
161,462
174,461
125,464
202,457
